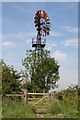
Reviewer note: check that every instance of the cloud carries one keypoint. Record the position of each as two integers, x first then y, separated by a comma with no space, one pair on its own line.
8,43
51,45
59,55
71,42
28,41
49,48
24,35
20,35
54,44
70,29
57,34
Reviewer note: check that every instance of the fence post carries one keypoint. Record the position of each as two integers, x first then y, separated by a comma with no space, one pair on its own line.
25,97
43,92
52,98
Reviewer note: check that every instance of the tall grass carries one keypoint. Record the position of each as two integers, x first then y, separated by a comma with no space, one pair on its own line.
61,109
12,109
65,109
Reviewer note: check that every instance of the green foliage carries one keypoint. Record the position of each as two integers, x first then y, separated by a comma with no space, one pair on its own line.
10,79
12,109
60,109
71,92
66,109
42,71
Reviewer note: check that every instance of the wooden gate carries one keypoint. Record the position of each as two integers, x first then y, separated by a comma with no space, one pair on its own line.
43,104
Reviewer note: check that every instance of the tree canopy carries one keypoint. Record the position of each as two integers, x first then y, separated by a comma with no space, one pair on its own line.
11,82
42,71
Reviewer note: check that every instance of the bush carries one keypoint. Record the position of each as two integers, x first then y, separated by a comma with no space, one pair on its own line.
66,108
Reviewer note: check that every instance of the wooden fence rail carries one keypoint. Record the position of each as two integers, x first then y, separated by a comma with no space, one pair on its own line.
38,93
14,95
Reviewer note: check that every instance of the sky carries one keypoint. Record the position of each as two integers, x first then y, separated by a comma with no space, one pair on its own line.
40,0
18,29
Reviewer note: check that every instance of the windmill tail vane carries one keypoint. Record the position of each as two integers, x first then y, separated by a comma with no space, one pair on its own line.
42,22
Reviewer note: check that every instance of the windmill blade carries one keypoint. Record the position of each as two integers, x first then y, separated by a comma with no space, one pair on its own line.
47,17
39,28
45,30
48,26
48,20
47,33
37,16
42,14
44,27
48,23
36,21
36,25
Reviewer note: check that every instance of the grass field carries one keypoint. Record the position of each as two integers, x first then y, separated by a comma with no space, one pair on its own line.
12,109
61,109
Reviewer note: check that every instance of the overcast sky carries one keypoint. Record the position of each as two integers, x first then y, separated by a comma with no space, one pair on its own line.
18,29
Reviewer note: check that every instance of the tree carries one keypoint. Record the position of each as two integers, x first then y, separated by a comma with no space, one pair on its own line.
70,93
42,70
10,79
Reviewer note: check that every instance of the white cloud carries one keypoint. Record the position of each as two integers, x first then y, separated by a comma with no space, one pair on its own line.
57,34
70,29
54,44
71,42
59,55
49,48
8,43
28,41
20,35
51,45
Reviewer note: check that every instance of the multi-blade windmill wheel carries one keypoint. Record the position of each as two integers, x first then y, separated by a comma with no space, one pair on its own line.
42,22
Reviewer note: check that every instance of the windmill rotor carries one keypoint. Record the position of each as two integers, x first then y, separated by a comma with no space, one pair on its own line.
42,22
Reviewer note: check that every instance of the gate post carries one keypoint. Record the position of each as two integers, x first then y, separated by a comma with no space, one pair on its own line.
25,96
52,98
43,92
